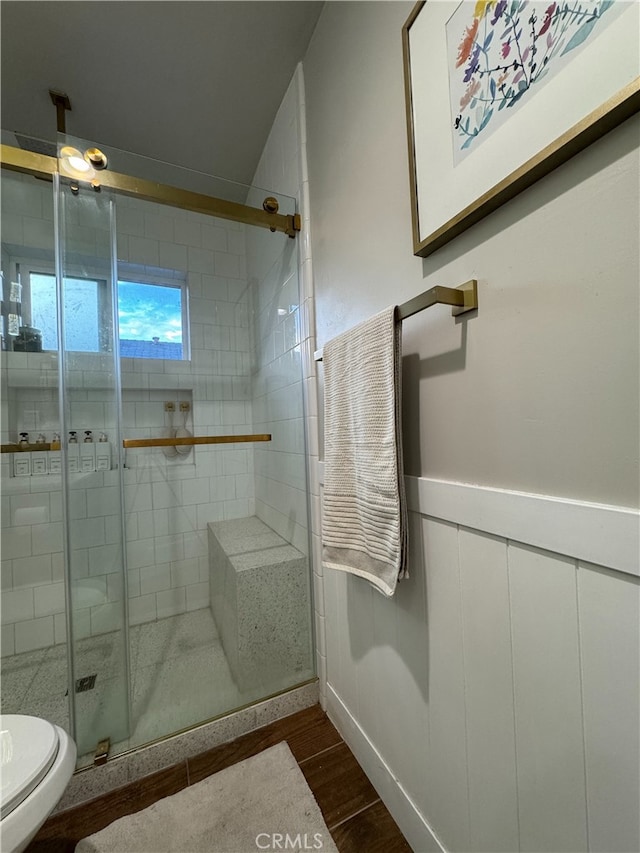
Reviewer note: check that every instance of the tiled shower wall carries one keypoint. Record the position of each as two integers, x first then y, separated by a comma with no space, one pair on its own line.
284,164
283,331
277,388
168,502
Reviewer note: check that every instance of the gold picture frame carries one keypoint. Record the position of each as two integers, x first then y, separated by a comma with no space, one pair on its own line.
444,202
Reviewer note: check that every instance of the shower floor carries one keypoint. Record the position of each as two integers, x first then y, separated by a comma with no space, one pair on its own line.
179,676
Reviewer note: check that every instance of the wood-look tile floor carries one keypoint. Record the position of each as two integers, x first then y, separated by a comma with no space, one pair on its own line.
355,815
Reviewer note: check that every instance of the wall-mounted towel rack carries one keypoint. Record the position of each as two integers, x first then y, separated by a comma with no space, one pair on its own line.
463,298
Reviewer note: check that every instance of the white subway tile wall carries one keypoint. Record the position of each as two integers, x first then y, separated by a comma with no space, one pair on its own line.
284,164
280,329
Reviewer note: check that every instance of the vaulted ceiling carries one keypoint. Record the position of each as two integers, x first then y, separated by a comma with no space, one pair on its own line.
196,83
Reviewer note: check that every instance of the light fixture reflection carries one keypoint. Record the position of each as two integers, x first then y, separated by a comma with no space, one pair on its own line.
79,164
73,163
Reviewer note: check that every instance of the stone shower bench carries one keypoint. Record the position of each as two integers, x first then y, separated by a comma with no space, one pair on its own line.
260,603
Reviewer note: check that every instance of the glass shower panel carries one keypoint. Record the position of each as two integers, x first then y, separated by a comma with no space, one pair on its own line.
218,569
87,338
176,323
34,650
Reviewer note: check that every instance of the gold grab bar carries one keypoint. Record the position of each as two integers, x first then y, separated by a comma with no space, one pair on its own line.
193,439
148,442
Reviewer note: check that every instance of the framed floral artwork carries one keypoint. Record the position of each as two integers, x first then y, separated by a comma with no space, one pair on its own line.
500,92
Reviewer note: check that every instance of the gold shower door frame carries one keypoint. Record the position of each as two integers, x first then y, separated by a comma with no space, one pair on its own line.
42,166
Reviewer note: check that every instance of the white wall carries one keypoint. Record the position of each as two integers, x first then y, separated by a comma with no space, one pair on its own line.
538,392
494,699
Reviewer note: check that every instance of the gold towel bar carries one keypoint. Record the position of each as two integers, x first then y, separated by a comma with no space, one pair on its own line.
463,299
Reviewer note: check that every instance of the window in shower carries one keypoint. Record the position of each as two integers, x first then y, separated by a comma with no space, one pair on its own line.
82,299
152,315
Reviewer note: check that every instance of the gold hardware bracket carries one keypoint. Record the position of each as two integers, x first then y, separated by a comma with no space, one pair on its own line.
102,752
62,103
294,226
463,298
470,291
96,157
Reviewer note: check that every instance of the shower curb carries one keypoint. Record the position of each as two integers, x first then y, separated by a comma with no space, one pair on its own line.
91,782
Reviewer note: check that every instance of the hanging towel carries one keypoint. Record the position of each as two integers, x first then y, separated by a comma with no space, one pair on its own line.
364,518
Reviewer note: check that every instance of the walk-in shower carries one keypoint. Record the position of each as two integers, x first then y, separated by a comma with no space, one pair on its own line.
155,568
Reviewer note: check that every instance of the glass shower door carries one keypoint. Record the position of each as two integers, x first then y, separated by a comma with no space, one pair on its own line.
86,334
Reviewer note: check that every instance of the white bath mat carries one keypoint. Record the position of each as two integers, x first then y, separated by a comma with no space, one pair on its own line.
262,803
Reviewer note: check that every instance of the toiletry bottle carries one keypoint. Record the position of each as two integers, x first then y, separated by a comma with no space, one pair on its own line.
39,457
73,452
87,453
103,453
22,459
14,314
54,460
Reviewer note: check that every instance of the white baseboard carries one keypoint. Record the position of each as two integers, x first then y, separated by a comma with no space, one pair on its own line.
604,535
413,825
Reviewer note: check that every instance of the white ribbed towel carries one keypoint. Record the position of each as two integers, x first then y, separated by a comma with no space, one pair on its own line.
364,523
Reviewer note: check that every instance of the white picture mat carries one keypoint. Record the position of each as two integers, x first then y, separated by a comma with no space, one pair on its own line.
444,190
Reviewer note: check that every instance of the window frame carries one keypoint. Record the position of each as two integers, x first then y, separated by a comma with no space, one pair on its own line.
22,268
102,299
130,274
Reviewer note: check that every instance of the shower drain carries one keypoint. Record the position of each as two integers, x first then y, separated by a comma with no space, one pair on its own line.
86,683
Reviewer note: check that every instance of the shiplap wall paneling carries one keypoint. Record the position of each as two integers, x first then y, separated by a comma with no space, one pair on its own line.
548,701
348,666
360,642
403,706
332,629
389,683
493,803
609,604
446,774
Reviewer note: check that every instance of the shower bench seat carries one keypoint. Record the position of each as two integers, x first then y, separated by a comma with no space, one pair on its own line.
260,603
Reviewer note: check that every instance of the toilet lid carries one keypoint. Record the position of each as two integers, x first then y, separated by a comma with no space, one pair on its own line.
28,747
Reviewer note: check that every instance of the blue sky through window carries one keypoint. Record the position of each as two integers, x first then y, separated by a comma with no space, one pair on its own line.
148,311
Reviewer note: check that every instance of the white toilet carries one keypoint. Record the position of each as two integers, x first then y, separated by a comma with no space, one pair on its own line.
37,761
